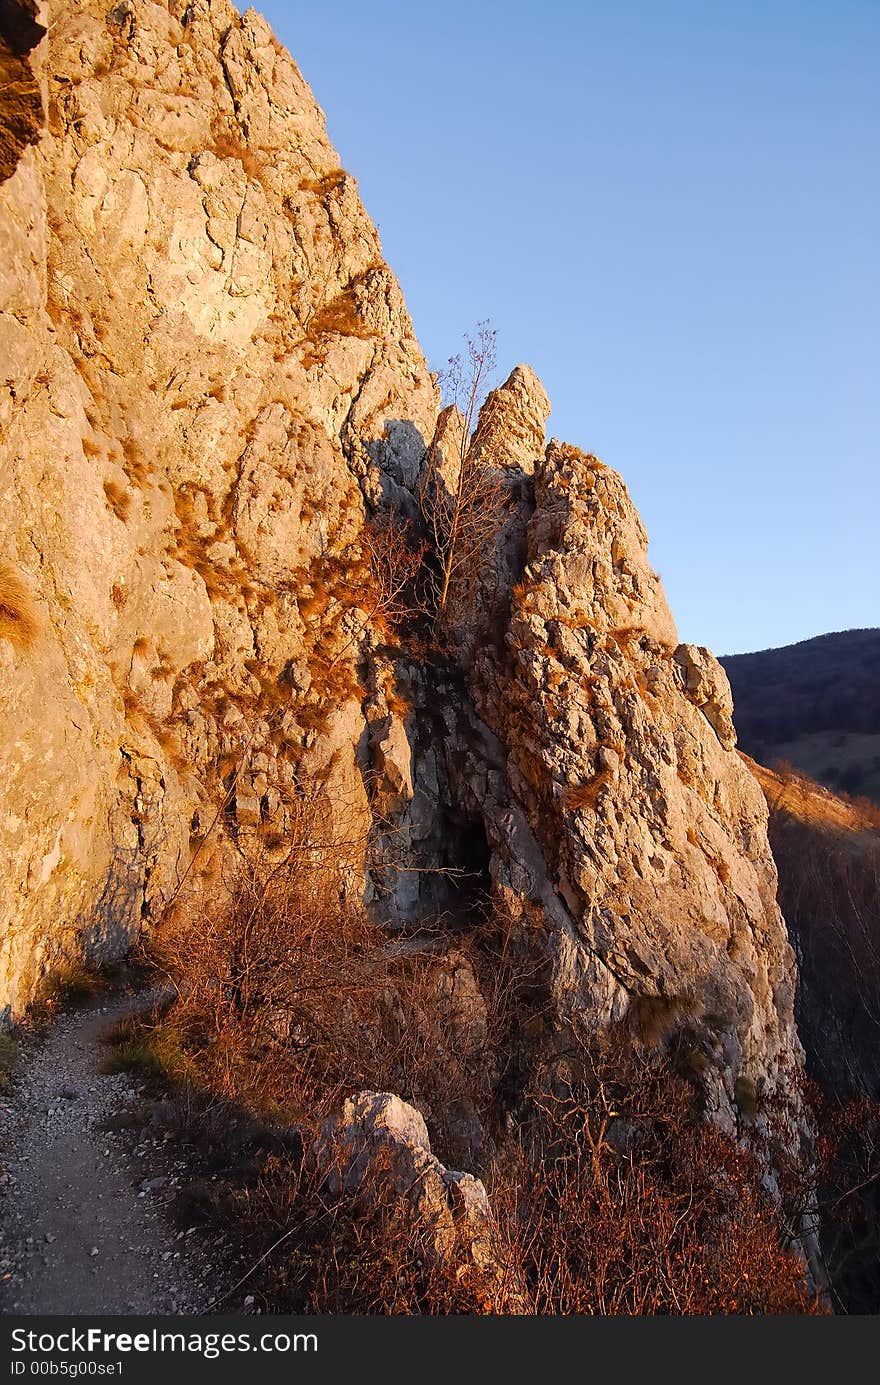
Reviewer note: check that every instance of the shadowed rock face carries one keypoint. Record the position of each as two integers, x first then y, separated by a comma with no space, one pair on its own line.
210,381
21,112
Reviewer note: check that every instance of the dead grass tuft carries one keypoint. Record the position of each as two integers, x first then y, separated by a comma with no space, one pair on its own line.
341,316
118,499
19,619
327,183
585,796
227,142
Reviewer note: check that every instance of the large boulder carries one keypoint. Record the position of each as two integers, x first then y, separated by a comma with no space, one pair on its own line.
378,1149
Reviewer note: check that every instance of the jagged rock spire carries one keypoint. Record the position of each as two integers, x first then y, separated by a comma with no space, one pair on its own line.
512,423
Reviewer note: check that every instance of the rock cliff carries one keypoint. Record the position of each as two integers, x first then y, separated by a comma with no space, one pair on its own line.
208,370
211,388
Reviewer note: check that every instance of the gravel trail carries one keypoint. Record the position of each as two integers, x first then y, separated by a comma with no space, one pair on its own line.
83,1224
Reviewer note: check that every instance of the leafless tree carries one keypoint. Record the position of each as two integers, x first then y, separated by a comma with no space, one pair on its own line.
463,497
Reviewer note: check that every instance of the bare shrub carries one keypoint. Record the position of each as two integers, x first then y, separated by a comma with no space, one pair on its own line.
464,513
622,1199
342,1254
293,999
617,1198
373,585
611,1192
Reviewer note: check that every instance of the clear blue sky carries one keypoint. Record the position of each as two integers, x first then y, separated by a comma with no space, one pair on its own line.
670,209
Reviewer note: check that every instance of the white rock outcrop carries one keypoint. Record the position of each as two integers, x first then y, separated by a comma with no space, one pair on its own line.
378,1149
629,842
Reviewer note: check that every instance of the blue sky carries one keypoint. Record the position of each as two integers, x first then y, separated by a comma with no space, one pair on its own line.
671,210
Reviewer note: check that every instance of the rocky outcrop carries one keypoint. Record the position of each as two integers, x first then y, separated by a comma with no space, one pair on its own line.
628,842
377,1149
210,388
511,427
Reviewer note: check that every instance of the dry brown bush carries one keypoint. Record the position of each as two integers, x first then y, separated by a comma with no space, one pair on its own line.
19,621
613,1195
340,316
118,499
342,1254
623,1199
617,1198
227,142
327,183
375,585
585,796
290,998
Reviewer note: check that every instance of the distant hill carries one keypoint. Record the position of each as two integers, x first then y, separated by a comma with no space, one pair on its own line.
815,704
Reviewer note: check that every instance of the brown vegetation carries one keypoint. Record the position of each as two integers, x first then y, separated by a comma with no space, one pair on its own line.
374,584
463,516
580,797
19,621
118,499
228,142
290,998
339,316
136,468
611,1192
613,1196
637,1205
327,183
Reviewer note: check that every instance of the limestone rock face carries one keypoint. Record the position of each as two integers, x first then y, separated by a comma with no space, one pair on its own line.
511,426
626,834
377,1148
207,370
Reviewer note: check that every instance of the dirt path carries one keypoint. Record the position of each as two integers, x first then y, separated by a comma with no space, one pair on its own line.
83,1226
